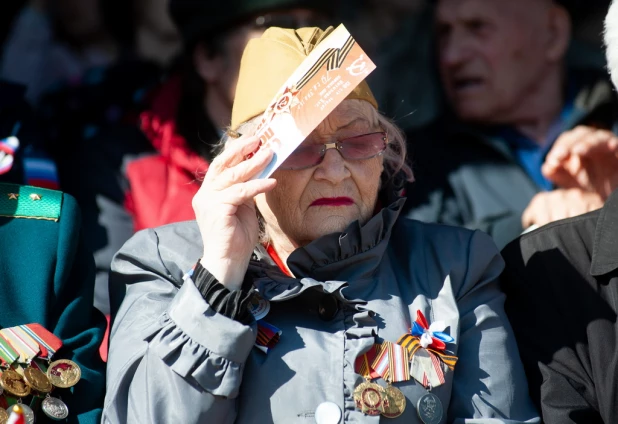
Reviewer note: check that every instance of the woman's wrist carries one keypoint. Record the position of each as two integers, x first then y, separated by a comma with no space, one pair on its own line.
228,273
230,303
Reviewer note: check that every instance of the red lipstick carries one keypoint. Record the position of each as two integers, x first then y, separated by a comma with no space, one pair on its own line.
333,201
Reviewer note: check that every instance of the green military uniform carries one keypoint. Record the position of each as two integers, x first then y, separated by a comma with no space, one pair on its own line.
47,277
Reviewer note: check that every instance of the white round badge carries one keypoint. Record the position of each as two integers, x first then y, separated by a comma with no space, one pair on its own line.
259,307
327,413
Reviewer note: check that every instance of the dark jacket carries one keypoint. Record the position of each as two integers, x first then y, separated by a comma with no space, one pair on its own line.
465,177
47,277
561,283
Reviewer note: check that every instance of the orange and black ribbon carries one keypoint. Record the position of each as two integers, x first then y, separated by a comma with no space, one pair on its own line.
412,344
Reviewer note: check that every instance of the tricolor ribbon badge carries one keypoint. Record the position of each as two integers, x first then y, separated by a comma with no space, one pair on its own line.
431,336
8,147
426,345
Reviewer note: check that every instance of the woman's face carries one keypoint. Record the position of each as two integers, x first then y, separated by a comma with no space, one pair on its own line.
309,203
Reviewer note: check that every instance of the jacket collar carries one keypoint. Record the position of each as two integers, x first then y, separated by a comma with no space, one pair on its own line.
605,249
330,261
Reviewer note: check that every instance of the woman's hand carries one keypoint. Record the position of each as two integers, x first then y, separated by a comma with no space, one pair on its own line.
225,209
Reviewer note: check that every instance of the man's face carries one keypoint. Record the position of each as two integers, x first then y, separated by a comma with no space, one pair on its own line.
491,55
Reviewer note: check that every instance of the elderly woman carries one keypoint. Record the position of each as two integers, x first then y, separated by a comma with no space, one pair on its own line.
308,298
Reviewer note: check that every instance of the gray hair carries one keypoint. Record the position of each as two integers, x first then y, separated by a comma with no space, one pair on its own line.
395,161
611,41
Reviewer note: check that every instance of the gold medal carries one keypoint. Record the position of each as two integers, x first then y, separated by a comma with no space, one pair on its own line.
4,416
36,379
64,373
370,398
14,384
396,402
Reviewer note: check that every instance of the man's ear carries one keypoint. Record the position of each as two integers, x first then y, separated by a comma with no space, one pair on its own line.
560,32
209,65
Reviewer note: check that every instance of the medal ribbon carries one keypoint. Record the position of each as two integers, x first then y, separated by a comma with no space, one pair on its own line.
412,344
8,355
399,363
25,345
381,362
392,362
267,337
362,365
47,341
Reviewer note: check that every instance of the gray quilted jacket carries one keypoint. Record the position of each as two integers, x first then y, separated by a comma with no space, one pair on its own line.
173,359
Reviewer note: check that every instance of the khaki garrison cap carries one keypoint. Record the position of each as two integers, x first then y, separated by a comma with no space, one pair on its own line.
269,61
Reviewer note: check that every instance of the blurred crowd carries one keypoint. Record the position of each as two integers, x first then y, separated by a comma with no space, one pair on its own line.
121,103
509,113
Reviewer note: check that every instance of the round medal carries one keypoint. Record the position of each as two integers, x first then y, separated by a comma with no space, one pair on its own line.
36,379
370,398
4,416
64,373
28,412
14,384
430,409
259,307
396,402
54,408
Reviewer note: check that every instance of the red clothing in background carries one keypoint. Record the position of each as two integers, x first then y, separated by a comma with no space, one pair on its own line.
162,185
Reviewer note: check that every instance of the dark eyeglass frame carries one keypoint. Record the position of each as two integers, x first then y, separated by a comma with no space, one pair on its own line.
340,146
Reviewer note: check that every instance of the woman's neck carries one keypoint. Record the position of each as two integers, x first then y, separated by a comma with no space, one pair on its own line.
282,245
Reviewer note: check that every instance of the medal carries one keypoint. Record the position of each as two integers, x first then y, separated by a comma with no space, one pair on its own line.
426,345
258,306
64,373
4,416
36,379
393,364
396,402
430,409
54,408
370,398
26,411
14,384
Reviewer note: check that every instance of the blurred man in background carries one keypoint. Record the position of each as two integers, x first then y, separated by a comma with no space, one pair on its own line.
503,70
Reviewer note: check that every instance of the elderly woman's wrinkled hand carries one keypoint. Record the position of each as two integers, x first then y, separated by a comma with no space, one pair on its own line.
584,158
225,210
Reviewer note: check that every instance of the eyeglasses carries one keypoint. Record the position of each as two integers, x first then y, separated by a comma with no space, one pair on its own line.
361,147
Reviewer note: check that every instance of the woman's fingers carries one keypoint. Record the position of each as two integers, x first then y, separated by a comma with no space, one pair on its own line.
241,193
243,171
234,153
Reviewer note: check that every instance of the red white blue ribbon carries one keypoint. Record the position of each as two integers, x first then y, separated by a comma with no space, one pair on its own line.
430,336
8,147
